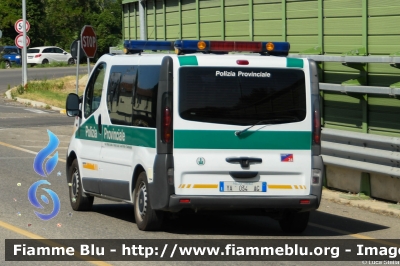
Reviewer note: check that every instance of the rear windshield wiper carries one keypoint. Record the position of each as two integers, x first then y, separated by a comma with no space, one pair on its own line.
269,122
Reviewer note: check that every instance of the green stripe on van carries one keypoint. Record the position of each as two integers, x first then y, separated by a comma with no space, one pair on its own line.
256,140
294,62
136,136
188,60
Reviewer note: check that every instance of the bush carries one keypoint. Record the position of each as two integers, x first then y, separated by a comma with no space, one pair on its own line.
20,89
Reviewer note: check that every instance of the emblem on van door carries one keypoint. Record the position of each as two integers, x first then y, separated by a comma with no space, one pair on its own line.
200,161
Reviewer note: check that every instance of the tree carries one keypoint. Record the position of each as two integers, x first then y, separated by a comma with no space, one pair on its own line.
59,22
36,17
108,26
9,14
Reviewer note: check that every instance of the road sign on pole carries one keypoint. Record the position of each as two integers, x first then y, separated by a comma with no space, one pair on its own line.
74,50
20,39
89,41
18,26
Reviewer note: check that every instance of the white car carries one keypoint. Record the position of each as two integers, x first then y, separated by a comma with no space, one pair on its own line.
48,54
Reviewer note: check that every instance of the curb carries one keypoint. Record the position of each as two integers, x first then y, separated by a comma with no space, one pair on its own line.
372,205
34,103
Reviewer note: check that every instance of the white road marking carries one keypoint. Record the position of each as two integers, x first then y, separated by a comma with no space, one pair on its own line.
36,111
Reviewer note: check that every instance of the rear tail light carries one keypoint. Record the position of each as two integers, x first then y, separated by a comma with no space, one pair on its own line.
167,125
38,55
317,128
184,201
304,201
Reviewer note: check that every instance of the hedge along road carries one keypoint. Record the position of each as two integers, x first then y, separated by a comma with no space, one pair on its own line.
13,77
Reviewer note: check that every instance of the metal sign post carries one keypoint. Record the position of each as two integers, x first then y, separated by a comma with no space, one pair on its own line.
88,66
24,57
77,66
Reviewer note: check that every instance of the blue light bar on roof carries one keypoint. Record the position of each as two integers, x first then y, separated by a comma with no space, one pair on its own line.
138,46
193,46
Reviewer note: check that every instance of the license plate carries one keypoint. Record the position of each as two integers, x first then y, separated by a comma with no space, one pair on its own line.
30,57
229,186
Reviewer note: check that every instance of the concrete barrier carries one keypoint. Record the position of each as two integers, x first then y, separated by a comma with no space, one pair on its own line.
362,163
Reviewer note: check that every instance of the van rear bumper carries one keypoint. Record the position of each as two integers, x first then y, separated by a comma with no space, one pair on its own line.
242,202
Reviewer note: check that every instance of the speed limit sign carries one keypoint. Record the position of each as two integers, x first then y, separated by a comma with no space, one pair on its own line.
19,24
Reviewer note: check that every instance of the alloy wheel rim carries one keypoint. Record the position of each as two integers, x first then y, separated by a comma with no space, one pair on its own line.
141,206
75,183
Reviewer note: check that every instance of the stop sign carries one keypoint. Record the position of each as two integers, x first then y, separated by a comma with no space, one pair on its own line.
89,41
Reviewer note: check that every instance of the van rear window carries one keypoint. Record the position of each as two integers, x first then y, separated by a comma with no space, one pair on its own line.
241,96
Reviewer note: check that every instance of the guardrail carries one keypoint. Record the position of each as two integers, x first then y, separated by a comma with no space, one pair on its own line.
359,89
361,151
350,58
362,163
114,50
375,157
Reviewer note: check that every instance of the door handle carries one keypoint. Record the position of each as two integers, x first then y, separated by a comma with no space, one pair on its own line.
243,174
99,124
243,161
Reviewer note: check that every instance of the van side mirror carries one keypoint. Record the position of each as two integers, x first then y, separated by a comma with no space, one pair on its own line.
72,105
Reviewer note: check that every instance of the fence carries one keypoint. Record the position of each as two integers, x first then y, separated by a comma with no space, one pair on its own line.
356,160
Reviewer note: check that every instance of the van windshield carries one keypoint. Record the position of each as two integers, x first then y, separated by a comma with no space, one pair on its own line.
241,96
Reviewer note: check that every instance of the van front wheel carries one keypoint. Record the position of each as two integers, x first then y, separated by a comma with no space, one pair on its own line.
294,222
79,200
146,218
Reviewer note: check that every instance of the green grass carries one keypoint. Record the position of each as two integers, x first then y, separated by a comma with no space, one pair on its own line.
3,65
52,92
53,64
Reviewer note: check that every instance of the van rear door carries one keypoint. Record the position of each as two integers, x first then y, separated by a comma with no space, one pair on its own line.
242,131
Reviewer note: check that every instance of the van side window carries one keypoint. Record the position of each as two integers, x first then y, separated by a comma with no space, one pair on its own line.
121,87
132,95
94,90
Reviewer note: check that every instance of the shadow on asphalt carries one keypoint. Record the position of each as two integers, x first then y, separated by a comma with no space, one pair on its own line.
217,223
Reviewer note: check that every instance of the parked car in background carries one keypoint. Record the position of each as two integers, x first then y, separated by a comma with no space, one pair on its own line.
11,55
48,54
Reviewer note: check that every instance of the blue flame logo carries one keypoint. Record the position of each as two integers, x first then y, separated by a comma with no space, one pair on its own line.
42,155
45,171
34,201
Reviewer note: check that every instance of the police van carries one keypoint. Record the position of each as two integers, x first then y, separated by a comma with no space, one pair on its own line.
204,125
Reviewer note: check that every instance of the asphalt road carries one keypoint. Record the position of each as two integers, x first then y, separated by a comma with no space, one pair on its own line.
23,133
13,77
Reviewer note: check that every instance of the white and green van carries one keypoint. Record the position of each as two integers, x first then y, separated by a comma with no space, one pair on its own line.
201,129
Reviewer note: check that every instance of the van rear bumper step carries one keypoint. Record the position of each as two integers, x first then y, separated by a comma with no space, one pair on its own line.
239,202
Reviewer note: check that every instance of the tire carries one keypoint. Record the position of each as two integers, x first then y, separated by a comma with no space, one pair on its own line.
8,64
294,222
146,218
45,61
79,200
71,61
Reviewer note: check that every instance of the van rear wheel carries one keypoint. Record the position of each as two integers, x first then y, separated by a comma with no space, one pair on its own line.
146,218
79,200
294,222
